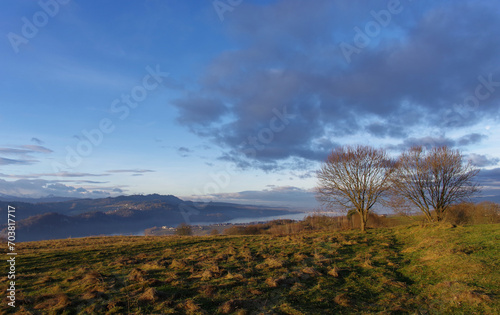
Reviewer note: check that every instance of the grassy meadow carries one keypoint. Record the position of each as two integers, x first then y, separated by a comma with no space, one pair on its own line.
415,269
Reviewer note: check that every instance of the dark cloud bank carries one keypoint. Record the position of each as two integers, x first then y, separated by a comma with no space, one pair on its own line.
288,94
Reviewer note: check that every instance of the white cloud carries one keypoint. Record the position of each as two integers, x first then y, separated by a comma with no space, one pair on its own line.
278,196
36,188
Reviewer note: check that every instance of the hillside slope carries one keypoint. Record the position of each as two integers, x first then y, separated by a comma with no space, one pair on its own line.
427,270
119,215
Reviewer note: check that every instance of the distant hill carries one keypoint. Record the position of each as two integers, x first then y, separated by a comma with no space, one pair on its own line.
118,215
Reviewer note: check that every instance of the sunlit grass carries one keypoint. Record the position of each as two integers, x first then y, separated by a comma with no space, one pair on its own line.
436,269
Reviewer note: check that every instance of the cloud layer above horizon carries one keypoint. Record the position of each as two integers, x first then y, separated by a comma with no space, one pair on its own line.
428,66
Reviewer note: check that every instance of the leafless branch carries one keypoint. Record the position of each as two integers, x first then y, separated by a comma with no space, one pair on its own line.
354,178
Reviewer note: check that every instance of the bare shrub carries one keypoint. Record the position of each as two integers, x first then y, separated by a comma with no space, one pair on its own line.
184,230
214,232
286,229
374,221
324,222
469,213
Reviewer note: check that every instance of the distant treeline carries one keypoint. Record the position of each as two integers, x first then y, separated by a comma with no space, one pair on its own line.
464,213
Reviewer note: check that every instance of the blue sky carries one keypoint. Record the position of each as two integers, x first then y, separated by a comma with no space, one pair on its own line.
237,100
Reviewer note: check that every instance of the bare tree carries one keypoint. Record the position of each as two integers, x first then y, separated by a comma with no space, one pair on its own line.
184,229
434,179
354,178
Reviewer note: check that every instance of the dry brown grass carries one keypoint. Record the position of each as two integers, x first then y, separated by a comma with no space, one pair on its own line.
300,257
178,264
153,265
207,275
92,295
151,295
207,291
433,269
233,307
273,262
342,300
334,272
311,271
192,307
236,276
272,282
137,275
45,279
286,308
52,302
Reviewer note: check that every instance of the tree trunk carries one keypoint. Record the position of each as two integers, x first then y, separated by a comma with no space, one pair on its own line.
362,220
439,214
428,217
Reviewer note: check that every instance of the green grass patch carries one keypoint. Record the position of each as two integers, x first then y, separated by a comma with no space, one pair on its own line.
455,270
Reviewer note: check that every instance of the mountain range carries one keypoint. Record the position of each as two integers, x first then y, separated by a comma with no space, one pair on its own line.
54,217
